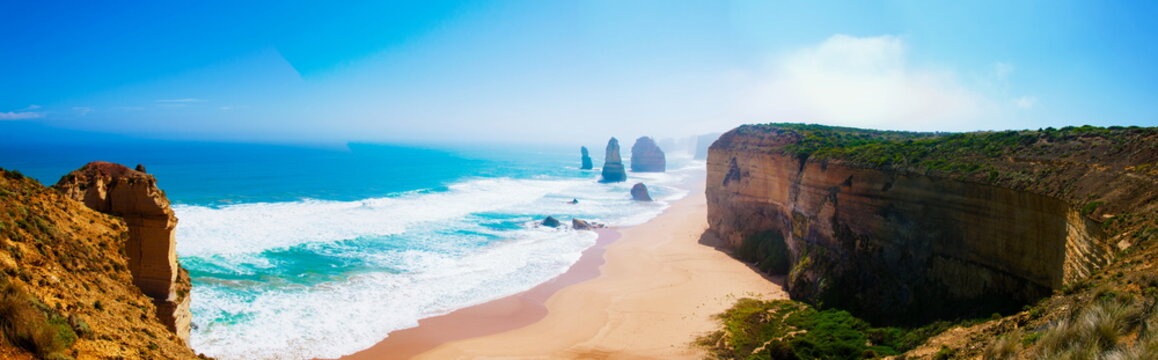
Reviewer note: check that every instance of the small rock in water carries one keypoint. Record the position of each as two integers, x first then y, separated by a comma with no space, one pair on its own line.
551,221
639,192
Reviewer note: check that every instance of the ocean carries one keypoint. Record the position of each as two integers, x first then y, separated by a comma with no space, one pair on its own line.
300,252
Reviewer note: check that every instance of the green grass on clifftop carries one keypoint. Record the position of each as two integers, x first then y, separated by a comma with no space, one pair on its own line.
940,153
784,329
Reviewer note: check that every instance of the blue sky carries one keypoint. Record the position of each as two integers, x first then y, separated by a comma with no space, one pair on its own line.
549,71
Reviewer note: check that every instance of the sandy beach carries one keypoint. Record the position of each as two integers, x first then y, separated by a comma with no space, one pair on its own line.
643,292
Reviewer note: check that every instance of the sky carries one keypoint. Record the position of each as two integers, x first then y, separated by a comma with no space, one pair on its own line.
565,71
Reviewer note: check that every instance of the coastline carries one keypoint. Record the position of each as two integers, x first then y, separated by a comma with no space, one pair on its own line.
645,291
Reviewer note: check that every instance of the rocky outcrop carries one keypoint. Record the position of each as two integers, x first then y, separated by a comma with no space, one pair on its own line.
897,244
151,248
639,192
66,266
646,156
613,170
581,225
550,221
585,160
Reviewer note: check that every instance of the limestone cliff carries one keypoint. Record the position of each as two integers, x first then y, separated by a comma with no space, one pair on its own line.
646,156
585,159
151,248
613,170
64,272
902,227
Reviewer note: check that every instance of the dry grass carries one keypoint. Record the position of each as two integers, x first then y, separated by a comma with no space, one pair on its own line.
1005,348
1097,333
25,326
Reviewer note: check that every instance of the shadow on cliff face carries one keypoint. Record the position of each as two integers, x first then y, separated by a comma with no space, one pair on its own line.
708,238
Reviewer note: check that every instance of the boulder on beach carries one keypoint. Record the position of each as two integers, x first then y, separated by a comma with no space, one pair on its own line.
586,159
639,192
551,221
613,170
581,225
646,156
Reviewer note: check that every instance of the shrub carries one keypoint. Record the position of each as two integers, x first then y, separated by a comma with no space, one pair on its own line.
25,324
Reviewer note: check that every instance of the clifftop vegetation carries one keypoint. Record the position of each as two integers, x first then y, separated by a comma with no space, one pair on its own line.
1107,175
65,289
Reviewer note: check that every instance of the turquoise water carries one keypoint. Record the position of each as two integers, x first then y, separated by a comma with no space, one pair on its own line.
298,253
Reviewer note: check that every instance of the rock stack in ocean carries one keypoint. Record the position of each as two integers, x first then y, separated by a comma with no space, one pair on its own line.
639,192
151,248
587,165
613,165
646,156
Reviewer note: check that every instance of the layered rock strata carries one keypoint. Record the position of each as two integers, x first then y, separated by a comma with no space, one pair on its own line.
151,248
899,246
646,156
613,170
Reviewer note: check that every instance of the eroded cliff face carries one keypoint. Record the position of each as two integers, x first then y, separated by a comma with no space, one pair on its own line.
67,262
901,246
151,248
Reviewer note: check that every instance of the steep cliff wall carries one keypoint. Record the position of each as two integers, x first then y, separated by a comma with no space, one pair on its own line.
151,248
901,240
64,265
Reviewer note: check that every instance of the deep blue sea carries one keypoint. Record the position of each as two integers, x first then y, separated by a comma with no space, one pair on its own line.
300,252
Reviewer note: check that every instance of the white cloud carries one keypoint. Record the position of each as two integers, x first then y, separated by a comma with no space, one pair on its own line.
1025,102
863,82
30,108
17,115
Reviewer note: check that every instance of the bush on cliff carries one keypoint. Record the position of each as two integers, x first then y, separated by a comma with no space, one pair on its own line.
25,324
785,329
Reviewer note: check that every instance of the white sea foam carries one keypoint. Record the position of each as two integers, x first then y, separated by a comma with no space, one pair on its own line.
239,320
252,228
338,318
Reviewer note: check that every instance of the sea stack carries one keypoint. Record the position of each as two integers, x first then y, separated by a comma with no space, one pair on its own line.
586,159
639,192
646,156
613,165
151,248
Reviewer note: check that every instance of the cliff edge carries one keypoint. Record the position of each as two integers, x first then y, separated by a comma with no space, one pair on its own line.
66,289
152,249
902,227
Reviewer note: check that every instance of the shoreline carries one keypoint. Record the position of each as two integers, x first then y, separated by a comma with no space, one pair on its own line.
492,317
643,291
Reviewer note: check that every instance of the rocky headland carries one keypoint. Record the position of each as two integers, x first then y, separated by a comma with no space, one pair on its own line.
613,170
646,156
908,228
134,196
68,284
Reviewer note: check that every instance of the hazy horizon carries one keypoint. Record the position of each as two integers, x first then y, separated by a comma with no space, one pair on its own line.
563,73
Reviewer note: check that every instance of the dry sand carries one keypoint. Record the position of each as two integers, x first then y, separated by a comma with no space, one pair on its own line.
655,291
